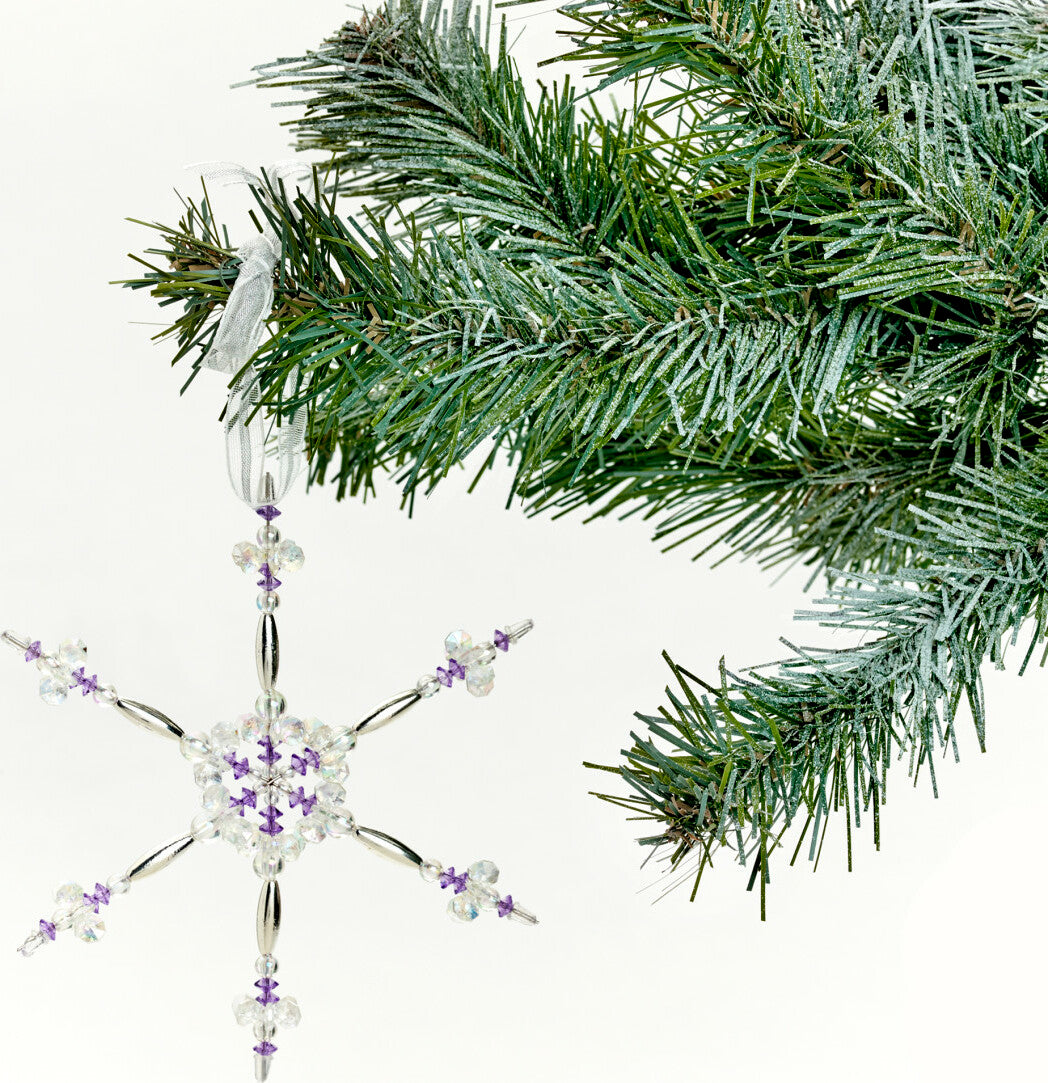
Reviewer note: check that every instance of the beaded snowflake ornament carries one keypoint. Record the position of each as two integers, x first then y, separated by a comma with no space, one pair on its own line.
270,784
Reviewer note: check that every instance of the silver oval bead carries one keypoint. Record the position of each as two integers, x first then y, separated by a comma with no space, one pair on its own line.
267,651
378,842
384,713
149,718
267,919
163,857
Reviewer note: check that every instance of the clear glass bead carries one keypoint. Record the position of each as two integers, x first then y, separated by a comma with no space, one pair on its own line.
89,926
312,828
484,872
430,871
215,798
203,828
63,917
331,793
456,643
291,845
266,966
289,729
250,727
194,746
270,705
427,686
268,536
463,908
341,823
72,652
53,691
247,1011
268,863
342,741
205,774
287,1013
70,894
268,601
318,734
480,680
118,885
105,695
238,833
485,654
265,1030
248,557
289,557
224,738
335,770
486,895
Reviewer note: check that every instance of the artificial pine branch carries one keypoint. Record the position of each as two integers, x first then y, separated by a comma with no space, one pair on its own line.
792,302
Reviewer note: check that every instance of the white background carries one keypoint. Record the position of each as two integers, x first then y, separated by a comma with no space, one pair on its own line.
923,964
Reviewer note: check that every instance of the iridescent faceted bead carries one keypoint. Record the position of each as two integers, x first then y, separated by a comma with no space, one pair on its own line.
224,738
463,908
53,691
70,894
287,1013
247,557
247,1011
480,680
205,774
342,741
270,705
203,828
250,727
312,827
289,557
484,872
457,643
486,895
238,833
63,917
291,845
334,770
331,793
72,652
317,734
430,871
215,798
88,926
289,729
268,863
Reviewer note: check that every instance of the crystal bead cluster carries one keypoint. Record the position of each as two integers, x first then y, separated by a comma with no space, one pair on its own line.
474,890
78,910
64,670
271,783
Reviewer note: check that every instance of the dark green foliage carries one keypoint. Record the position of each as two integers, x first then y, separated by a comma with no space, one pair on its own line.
792,301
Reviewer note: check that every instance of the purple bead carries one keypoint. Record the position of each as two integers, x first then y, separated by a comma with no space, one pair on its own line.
449,879
265,1049
271,814
505,906
298,763
240,767
268,512
457,669
87,684
34,651
47,929
268,580
298,797
501,640
102,893
267,996
312,758
269,755
247,799
444,677
272,828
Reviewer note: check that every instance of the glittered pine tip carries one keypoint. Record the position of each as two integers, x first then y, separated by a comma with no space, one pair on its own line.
268,512
265,1049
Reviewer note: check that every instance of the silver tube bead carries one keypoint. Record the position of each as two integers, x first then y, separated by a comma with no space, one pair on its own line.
267,651
267,919
163,857
149,718
384,713
384,845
